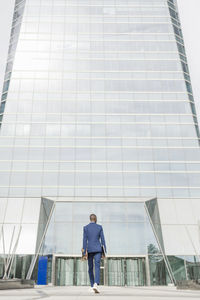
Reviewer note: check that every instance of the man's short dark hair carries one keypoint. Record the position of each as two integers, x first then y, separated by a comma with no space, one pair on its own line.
93,217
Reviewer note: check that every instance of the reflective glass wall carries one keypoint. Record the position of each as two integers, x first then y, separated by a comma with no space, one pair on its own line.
97,101
19,218
126,228
183,268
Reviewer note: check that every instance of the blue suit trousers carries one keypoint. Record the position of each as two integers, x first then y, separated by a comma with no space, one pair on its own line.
96,256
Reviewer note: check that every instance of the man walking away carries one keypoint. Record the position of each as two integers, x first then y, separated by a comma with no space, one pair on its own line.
92,233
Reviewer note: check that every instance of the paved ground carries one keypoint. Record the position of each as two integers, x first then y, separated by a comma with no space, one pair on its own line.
107,293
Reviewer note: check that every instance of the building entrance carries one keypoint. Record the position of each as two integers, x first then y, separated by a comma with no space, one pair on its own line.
115,271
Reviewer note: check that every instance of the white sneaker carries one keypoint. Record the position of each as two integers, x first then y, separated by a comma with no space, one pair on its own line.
95,288
91,290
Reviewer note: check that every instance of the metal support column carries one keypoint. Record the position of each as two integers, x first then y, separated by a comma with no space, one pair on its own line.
148,280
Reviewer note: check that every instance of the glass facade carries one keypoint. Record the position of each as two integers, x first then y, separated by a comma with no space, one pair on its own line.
117,218
97,104
97,101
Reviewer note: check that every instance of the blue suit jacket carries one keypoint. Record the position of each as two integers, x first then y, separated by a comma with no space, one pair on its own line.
91,235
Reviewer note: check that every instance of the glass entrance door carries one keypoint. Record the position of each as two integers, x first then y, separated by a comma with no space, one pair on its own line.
126,271
115,271
74,271
64,271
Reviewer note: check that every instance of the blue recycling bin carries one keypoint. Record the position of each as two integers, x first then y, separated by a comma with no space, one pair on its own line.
42,270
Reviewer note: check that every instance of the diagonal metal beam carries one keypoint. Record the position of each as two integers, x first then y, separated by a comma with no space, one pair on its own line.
34,259
171,275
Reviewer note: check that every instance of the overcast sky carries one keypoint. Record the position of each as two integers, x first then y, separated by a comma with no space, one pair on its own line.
189,11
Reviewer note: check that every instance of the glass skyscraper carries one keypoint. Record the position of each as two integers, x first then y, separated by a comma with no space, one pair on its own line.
97,115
